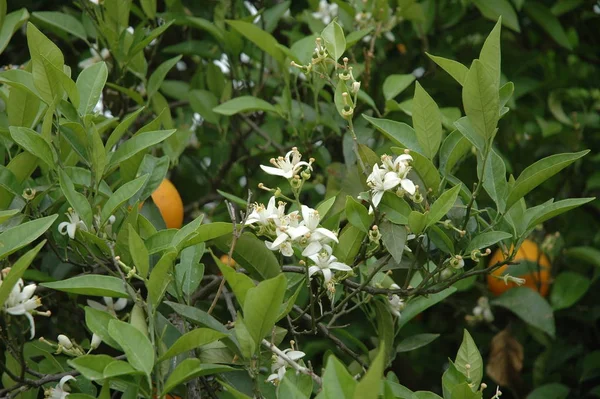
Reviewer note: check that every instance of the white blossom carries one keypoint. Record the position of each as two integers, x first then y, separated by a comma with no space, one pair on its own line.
61,390
22,302
483,311
395,303
262,215
109,305
325,262
279,365
72,225
287,166
326,12
393,172
64,341
315,236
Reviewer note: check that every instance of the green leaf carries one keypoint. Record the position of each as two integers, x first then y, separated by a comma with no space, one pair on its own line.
252,254
468,360
485,240
149,8
190,369
16,272
419,304
138,251
324,207
62,21
490,53
548,22
358,215
442,205
158,76
261,307
160,278
22,107
295,385
337,381
550,391
121,196
530,306
586,254
555,209
189,271
91,366
427,121
203,102
453,149
424,395
34,143
465,128
118,368
239,282
417,221
15,238
90,83
494,181
349,245
499,8
396,391
394,239
192,340
137,347
480,99
397,132
464,391
243,104
451,378
199,317
415,342
245,340
425,169
66,83
394,208
6,215
121,129
454,68
263,40
156,169
396,84
335,41
97,321
567,289
12,22
91,285
142,44
536,174
43,50
368,387
137,144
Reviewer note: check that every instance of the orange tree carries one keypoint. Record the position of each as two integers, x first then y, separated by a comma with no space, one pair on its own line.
349,202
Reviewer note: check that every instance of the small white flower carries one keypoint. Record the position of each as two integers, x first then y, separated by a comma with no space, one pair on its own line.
104,54
110,305
325,262
181,66
395,303
262,215
22,302
223,63
483,310
61,390
279,365
316,236
288,166
326,11
419,72
72,225
245,58
64,341
381,181
96,341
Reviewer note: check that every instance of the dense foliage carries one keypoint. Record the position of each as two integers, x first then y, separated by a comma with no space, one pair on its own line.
380,199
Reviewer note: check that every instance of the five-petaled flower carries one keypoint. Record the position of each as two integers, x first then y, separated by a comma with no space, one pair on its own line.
61,390
279,365
393,172
22,302
325,262
288,166
72,225
309,228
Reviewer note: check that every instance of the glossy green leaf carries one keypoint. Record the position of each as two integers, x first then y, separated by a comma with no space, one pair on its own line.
243,104
119,368
252,254
417,221
397,132
415,342
153,34
427,121
548,22
239,282
137,347
192,340
451,378
552,390
499,8
263,40
485,240
91,285
190,369
91,366
555,209
419,304
139,253
454,68
480,99
15,238
540,171
197,316
530,306
588,255
203,102
64,22
335,41
90,83
337,381
160,278
394,238
97,321
490,53
261,306
567,289
396,84
12,22
368,387
358,215
394,208
442,205
189,271
468,360
465,128
44,50
295,385
34,143
137,144
494,181
158,76
454,148
349,244
121,129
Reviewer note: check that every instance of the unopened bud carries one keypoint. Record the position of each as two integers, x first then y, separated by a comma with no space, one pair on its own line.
65,341
96,341
355,87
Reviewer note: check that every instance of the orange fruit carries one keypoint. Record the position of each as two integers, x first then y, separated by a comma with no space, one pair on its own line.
537,279
225,260
169,203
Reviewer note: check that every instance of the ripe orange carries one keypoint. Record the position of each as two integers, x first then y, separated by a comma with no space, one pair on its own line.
225,260
537,279
169,203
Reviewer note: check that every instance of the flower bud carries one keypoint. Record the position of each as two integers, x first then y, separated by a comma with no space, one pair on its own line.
355,87
96,341
65,341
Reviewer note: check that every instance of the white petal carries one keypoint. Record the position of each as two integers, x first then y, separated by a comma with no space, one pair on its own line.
71,229
297,232
280,240
286,249
312,249
120,304
377,195
62,227
273,171
339,266
295,355
31,324
312,270
408,186
404,157
391,180
272,377
326,275
63,380
327,233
